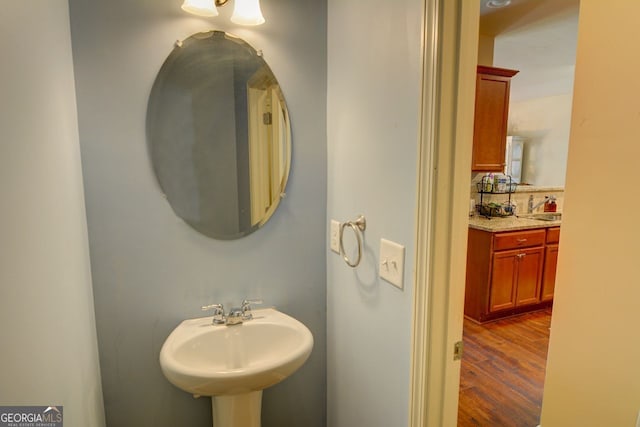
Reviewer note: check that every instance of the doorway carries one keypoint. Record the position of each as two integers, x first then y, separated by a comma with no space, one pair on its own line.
444,158
503,367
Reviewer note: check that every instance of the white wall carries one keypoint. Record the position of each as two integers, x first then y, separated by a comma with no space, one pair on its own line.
544,122
485,49
373,115
49,352
150,269
593,372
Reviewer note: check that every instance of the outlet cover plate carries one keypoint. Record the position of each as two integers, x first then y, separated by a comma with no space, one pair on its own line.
391,266
334,236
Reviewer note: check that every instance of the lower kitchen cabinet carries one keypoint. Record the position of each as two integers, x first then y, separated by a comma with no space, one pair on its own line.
550,263
507,272
515,279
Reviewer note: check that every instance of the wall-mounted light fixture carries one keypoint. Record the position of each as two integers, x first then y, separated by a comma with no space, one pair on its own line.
245,12
497,4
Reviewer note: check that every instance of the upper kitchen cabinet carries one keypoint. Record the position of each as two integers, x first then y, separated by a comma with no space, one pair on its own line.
490,126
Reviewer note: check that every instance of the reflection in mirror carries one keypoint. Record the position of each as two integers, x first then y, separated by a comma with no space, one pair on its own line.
219,136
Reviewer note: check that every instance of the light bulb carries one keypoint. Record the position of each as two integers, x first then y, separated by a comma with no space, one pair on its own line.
200,7
247,12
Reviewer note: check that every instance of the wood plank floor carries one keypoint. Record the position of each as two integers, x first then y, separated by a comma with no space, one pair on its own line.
502,372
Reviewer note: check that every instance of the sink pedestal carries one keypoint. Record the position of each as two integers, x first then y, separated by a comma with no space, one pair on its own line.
238,410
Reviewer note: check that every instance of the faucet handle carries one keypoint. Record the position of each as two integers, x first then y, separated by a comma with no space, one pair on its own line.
218,313
212,307
246,308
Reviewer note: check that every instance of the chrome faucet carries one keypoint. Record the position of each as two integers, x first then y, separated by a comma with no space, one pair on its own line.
236,315
531,207
218,313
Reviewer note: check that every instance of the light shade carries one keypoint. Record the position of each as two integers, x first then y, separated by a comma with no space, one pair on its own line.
247,12
200,7
496,4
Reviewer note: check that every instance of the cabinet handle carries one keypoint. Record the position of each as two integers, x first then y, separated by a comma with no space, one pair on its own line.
521,240
520,256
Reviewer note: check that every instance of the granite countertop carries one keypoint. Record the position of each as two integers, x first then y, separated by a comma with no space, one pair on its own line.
510,223
523,188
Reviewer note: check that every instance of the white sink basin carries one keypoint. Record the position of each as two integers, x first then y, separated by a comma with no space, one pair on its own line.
215,360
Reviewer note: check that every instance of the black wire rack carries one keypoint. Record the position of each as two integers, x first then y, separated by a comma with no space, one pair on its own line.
491,185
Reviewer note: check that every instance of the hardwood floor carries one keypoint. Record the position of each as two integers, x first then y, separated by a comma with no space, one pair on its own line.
502,372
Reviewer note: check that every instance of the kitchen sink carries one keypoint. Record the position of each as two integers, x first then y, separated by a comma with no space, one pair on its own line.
545,216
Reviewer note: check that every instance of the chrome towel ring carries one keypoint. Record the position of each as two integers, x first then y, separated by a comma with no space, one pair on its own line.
358,226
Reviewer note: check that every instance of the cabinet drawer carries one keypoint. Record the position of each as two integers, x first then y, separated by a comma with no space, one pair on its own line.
553,235
518,239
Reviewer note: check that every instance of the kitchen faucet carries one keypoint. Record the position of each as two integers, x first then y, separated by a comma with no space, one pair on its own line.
531,207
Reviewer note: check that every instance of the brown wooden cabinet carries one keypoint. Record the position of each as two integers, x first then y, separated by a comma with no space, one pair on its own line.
491,113
515,278
550,263
505,273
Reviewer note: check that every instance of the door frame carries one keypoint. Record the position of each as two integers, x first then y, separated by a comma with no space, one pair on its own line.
450,40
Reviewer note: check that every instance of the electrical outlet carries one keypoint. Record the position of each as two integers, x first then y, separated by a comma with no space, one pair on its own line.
334,236
391,267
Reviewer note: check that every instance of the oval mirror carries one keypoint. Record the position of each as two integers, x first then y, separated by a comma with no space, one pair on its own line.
219,136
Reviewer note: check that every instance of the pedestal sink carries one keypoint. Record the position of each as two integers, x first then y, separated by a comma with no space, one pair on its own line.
233,364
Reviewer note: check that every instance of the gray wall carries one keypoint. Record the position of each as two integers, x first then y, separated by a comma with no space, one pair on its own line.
49,352
373,116
150,269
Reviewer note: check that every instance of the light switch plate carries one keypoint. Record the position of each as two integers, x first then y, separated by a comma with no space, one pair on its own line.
334,236
391,266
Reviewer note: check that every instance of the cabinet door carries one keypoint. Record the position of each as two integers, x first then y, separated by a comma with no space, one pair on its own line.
502,294
529,276
549,274
490,125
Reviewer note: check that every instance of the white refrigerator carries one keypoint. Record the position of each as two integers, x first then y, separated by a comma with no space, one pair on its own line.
513,158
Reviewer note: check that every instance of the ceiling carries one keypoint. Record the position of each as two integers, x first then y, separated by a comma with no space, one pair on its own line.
484,9
537,37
